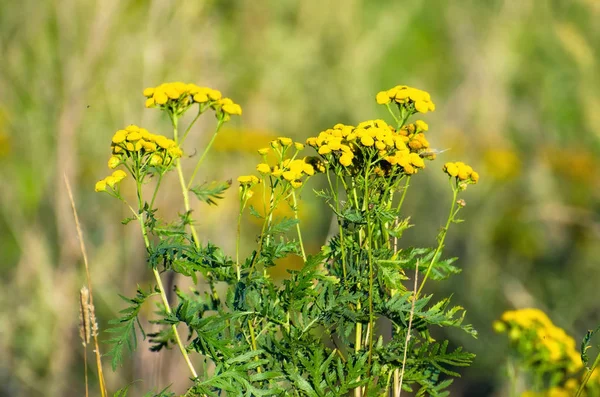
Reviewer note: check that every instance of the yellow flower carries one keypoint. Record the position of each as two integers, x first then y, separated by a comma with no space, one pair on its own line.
382,98
451,169
149,146
298,145
421,125
201,97
156,160
148,92
345,160
119,175
285,141
119,136
134,136
474,177
296,184
175,152
215,95
160,98
263,168
263,151
289,175
416,160
324,150
233,109
366,140
100,186
171,92
114,162
162,141
150,102
308,169
247,180
111,181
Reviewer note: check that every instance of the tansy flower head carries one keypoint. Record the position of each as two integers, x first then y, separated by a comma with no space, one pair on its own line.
113,162
100,186
461,171
408,97
263,168
248,180
119,175
177,97
284,141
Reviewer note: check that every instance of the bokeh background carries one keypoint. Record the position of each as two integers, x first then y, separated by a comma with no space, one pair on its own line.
517,88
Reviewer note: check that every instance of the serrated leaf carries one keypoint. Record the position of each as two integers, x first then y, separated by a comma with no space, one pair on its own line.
211,192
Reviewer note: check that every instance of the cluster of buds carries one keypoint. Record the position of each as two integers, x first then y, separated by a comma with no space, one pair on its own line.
461,171
411,99
370,142
135,143
177,97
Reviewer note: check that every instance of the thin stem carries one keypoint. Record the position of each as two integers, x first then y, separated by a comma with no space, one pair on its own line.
406,185
334,193
398,388
187,130
85,370
101,381
254,345
186,200
587,376
206,149
237,245
159,283
160,176
295,202
441,238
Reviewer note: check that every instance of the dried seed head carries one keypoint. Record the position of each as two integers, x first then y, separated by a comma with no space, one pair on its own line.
84,315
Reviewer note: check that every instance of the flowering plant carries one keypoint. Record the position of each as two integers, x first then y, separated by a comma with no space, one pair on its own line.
547,355
325,330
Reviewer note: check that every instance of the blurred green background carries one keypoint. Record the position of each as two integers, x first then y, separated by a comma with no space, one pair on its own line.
517,89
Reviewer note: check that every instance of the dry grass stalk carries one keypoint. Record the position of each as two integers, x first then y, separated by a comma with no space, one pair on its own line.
92,318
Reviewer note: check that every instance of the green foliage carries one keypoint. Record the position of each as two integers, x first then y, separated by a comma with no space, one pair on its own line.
124,327
321,331
209,193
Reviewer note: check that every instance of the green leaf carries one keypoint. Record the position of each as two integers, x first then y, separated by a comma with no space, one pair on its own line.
124,330
211,192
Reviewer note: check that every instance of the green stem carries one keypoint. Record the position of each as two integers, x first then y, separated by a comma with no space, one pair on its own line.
406,185
187,130
237,244
295,202
441,239
160,285
199,163
587,376
186,203
160,176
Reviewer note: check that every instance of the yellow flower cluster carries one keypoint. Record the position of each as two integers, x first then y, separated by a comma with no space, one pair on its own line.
408,97
535,332
133,141
248,180
179,96
291,170
461,172
373,140
110,181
